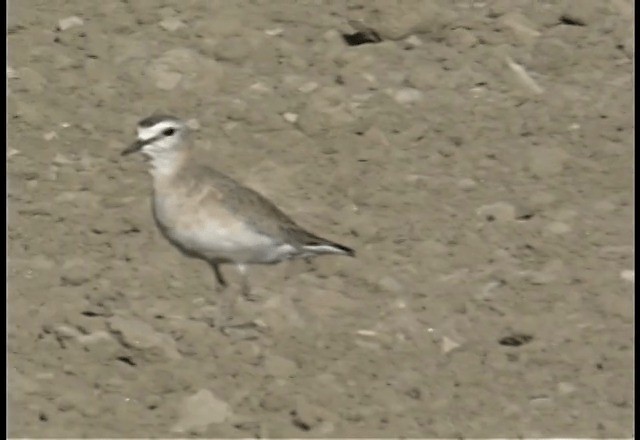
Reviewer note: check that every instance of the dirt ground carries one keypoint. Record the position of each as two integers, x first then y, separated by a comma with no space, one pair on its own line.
478,158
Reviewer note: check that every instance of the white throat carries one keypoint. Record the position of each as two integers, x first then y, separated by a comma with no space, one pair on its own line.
166,162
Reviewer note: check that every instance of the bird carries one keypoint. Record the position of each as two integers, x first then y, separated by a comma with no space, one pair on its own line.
209,216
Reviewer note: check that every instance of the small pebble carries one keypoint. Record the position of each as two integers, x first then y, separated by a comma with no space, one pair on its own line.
260,87
45,375
488,289
308,87
75,273
412,41
201,410
462,38
65,404
307,416
172,24
66,332
566,388
540,278
449,345
477,92
50,136
94,338
408,96
69,22
290,117
274,32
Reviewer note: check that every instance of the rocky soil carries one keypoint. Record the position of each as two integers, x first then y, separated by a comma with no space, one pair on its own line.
477,155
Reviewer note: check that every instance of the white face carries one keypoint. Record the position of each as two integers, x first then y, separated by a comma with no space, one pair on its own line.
160,139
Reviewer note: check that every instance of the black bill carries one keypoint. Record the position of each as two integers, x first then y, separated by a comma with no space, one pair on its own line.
135,147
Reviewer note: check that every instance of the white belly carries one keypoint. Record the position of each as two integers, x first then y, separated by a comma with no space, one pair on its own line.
221,242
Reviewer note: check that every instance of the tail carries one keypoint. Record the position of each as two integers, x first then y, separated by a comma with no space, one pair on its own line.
323,247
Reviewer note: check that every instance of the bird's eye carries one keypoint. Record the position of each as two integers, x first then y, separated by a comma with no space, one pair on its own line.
169,132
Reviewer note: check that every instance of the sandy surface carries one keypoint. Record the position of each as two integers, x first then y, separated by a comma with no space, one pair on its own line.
479,158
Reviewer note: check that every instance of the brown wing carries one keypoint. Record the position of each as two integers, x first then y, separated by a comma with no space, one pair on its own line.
258,211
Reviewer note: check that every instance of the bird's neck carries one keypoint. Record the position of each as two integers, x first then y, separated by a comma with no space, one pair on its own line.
169,163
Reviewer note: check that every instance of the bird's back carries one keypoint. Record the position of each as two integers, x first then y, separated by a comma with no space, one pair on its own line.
255,210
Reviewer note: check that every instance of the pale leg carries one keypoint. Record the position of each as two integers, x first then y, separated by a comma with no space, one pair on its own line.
241,330
246,288
227,300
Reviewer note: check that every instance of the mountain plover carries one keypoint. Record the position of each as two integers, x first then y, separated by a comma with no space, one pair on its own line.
209,216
